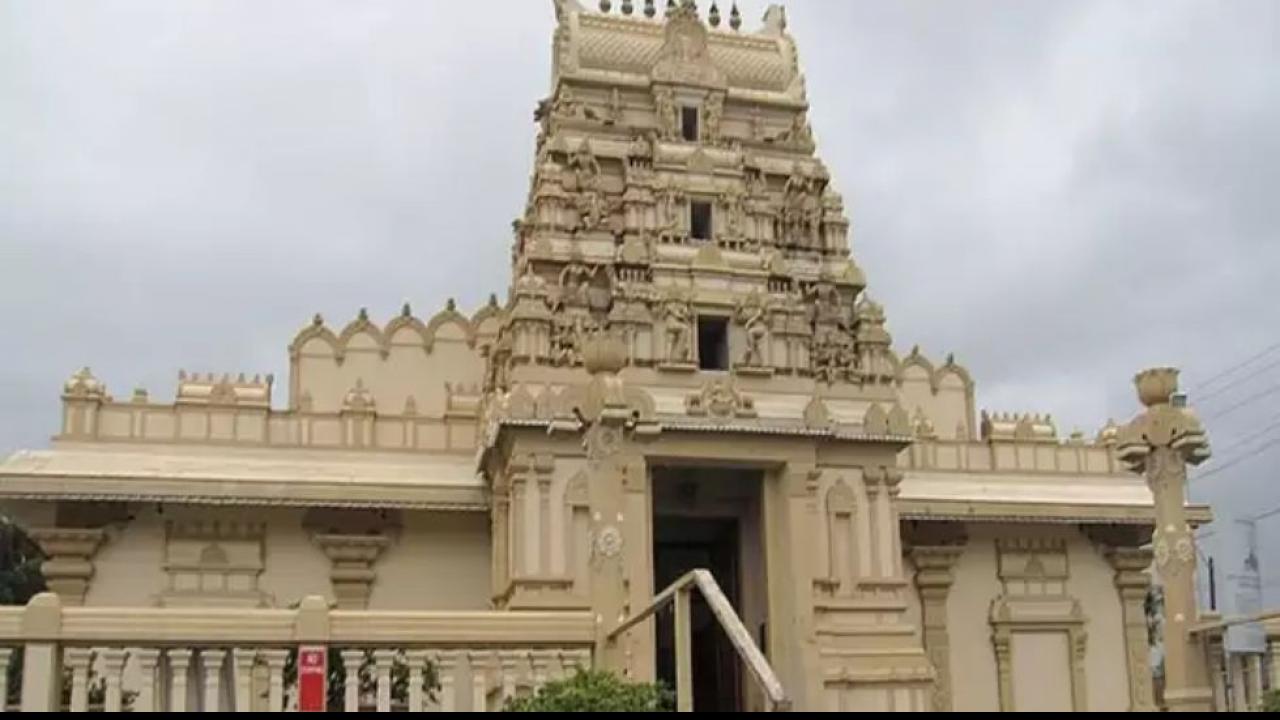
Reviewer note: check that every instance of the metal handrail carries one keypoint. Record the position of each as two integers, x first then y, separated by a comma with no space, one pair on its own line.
678,594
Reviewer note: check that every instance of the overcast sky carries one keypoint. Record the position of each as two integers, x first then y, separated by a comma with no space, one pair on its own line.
1061,193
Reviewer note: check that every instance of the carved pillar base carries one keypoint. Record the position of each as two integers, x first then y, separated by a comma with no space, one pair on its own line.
352,575
69,566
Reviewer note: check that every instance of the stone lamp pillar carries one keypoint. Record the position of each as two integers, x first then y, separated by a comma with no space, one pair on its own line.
1160,443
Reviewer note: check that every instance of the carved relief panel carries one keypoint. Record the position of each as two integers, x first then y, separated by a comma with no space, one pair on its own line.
1038,630
215,563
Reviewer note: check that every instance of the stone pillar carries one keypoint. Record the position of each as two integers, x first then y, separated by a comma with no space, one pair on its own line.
78,660
352,573
41,659
1132,582
351,662
1254,661
1236,671
69,566
6,657
179,663
211,663
1160,443
275,659
148,699
446,666
113,660
616,466
244,659
383,659
1214,648
417,672
935,574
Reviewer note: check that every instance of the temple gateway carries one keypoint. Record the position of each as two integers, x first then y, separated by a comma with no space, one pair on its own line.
682,445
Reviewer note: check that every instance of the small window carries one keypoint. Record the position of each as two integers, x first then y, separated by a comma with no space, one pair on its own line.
689,123
713,343
700,220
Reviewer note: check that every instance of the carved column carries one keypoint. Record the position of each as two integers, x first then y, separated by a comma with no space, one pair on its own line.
352,573
1132,582
935,575
78,661
69,566
1161,442
617,470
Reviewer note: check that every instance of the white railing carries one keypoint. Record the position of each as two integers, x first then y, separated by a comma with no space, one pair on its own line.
244,660
679,595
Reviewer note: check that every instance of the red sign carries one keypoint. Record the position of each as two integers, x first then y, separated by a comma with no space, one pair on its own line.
312,674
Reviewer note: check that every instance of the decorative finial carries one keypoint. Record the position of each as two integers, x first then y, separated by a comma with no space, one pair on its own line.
364,314
951,359
649,9
451,306
605,6
627,7
493,300
714,15
735,17
406,311
318,320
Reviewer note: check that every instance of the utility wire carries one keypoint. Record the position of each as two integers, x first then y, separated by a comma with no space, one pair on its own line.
1226,373
1258,451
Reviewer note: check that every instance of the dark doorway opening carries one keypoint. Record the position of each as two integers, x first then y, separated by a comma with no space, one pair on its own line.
681,545
709,519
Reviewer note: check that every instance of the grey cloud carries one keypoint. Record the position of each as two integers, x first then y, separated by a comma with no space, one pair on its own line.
1060,193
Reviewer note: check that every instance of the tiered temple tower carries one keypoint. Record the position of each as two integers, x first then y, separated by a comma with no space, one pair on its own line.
678,208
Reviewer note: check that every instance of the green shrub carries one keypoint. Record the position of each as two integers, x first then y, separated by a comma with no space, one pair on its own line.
595,691
1271,701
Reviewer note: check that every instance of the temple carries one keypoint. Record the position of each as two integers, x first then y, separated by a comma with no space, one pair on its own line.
687,373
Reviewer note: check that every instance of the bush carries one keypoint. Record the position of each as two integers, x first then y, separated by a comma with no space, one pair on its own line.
595,691
1271,701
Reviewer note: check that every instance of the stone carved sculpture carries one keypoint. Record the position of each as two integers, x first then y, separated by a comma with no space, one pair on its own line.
678,331
753,313
664,99
713,113
566,340
575,284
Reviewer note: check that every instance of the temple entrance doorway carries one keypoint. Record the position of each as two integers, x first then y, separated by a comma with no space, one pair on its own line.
710,518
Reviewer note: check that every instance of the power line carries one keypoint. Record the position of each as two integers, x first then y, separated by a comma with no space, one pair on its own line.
1237,382
1274,443
1247,401
1252,436
1270,513
1237,366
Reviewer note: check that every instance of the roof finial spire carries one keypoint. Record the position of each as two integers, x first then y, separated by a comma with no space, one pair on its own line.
735,17
649,9
714,15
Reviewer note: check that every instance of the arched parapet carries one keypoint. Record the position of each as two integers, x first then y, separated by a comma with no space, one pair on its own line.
942,395
450,318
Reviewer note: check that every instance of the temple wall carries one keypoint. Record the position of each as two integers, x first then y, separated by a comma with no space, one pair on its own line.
434,561
1039,660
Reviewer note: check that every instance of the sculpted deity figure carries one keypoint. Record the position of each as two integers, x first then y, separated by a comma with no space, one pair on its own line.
713,113
754,316
678,320
668,113
566,335
575,284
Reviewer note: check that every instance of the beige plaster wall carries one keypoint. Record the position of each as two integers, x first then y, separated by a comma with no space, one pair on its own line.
974,682
437,561
440,562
